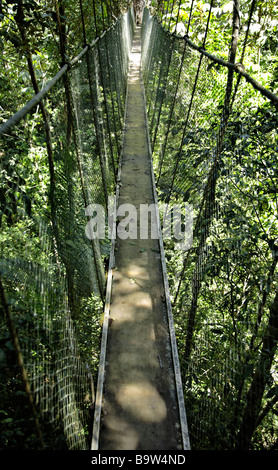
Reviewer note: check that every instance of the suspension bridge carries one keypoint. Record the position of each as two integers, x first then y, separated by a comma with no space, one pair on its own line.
141,401
147,117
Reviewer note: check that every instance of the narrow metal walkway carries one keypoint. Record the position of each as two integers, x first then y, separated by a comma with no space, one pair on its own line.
138,402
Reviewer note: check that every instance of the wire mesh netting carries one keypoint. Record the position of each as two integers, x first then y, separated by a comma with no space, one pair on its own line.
214,144
52,275
221,161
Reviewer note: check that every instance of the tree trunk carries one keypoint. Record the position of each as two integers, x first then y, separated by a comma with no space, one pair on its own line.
20,361
20,21
211,186
260,379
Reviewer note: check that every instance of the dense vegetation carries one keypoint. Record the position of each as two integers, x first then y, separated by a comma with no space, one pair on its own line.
52,276
225,288
224,294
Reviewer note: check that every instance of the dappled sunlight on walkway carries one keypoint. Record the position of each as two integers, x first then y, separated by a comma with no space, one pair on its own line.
140,409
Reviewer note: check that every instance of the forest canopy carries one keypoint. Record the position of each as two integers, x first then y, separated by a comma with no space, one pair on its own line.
64,154
220,145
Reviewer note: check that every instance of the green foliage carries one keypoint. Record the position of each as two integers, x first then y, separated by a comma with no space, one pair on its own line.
228,287
260,56
53,276
224,289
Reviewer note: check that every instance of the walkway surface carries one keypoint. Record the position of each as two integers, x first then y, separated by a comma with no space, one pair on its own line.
139,408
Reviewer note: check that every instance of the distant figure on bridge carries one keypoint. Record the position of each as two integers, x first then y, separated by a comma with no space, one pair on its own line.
138,10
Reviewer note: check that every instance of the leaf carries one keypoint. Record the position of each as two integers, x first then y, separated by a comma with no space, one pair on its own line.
7,420
132,280
272,392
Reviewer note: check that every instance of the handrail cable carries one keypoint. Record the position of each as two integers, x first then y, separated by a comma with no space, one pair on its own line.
37,98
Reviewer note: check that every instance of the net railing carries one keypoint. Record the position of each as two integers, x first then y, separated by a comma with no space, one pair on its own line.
52,274
220,163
